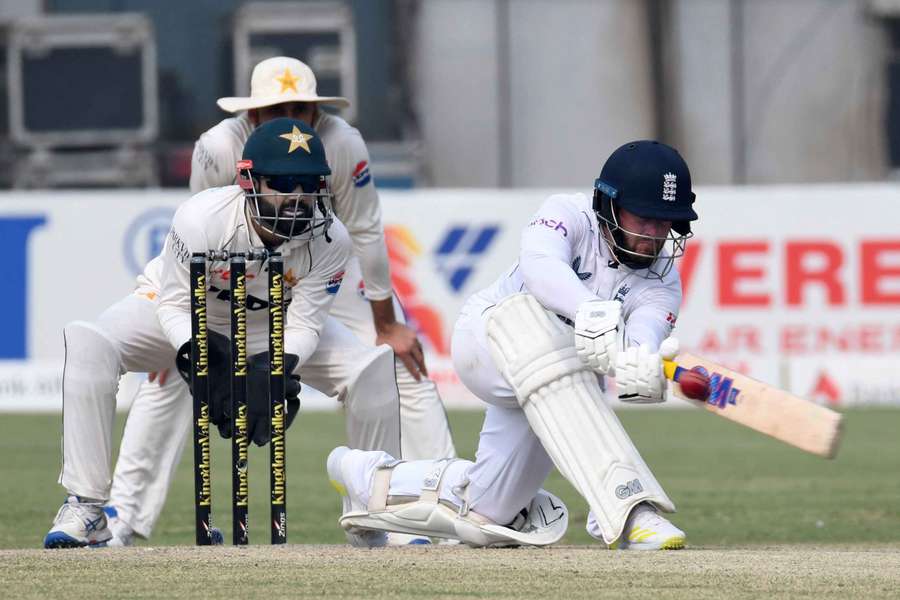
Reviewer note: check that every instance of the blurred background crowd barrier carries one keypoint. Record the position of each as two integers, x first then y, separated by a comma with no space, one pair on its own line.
812,308
462,93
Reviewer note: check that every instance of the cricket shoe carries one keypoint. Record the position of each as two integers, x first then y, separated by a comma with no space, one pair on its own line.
407,539
78,524
647,530
339,468
341,464
122,533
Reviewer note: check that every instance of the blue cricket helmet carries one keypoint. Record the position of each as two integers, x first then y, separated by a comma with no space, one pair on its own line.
650,179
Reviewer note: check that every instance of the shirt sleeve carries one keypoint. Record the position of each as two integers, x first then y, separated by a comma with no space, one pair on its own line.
357,205
650,316
186,236
545,258
312,295
211,164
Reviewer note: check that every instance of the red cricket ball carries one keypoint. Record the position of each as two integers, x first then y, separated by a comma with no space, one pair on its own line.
694,385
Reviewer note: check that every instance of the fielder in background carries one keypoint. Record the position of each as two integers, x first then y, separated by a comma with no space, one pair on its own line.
595,293
285,87
282,202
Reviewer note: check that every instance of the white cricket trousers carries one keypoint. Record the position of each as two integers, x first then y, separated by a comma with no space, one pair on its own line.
510,463
128,337
147,463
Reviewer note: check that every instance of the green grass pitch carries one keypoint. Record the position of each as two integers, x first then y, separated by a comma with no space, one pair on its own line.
732,487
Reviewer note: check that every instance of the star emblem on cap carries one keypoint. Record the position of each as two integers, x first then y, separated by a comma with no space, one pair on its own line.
288,81
298,139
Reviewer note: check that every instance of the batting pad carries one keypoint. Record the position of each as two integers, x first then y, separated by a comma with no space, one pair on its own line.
565,407
545,519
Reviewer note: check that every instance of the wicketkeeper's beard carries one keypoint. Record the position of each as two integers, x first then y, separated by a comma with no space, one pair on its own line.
289,220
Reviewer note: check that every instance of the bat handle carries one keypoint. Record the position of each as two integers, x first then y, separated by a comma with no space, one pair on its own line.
672,370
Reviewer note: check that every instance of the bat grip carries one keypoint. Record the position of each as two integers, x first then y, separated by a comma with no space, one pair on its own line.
671,370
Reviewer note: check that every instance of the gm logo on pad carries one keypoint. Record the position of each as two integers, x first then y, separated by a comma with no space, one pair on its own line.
459,251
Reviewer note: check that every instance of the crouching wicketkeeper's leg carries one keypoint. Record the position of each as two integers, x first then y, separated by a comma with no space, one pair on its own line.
126,337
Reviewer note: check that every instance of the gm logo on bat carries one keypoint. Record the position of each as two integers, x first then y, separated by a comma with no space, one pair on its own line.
721,389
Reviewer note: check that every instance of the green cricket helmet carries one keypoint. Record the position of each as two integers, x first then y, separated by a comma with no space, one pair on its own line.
284,174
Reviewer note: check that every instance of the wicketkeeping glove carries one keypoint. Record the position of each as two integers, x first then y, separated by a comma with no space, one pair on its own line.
219,360
258,395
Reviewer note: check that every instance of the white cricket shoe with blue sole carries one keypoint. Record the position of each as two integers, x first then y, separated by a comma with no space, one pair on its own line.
78,524
646,529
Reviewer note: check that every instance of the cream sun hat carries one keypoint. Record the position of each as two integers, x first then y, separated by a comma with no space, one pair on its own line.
277,80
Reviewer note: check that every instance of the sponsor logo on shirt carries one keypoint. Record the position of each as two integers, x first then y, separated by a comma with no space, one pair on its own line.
361,174
224,273
550,224
204,157
670,319
623,291
178,247
334,284
582,275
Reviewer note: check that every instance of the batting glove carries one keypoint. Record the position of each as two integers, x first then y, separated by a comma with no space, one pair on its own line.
639,376
596,334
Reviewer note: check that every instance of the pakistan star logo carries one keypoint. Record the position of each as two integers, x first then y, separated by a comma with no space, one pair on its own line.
297,139
287,81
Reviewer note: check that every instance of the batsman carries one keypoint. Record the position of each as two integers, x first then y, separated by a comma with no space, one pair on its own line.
283,203
594,294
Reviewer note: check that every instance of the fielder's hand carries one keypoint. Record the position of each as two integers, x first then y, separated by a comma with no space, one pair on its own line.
406,347
161,377
596,334
639,373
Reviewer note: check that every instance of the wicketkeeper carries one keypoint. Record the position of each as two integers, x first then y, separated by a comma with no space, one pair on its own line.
365,304
283,202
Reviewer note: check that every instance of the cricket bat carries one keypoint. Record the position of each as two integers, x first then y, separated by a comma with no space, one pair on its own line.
757,405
